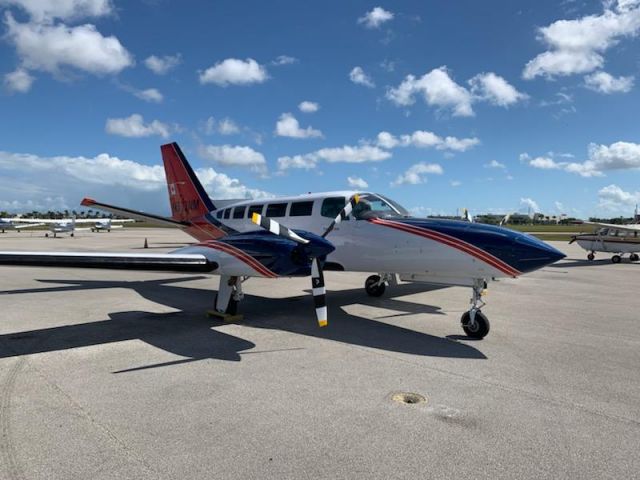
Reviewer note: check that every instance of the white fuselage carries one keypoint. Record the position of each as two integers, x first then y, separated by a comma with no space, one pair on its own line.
363,246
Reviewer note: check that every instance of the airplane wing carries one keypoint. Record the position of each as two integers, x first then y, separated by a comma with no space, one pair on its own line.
122,220
28,225
628,228
167,262
39,221
134,214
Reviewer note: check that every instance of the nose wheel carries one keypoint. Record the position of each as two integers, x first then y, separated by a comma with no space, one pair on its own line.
375,285
475,323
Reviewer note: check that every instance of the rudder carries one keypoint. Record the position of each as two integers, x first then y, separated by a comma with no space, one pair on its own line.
187,196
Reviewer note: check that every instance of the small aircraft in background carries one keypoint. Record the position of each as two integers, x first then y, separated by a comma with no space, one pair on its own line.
340,231
62,225
610,238
11,224
108,224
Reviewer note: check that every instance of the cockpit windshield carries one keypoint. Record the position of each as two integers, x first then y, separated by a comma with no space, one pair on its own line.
373,205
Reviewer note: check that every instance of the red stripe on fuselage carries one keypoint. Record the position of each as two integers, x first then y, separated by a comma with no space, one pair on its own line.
452,242
240,255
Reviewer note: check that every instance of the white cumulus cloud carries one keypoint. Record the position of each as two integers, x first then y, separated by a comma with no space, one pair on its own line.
578,46
134,126
30,181
19,81
437,88
344,154
288,126
308,107
52,48
495,90
614,198
426,139
162,65
359,77
495,164
531,204
47,10
357,182
604,82
233,71
234,156
149,95
375,18
417,173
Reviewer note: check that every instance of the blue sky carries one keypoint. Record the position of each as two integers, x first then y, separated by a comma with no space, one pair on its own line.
494,106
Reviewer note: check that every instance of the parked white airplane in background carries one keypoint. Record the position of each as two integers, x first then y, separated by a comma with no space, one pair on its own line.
610,238
63,225
11,224
368,232
108,224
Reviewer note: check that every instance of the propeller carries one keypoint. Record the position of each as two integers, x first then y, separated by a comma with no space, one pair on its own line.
318,289
573,239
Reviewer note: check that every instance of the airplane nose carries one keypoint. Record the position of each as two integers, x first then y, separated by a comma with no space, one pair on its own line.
533,253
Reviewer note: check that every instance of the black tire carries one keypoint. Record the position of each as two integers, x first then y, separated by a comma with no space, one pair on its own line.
232,307
481,327
634,257
46,235
72,234
590,257
616,259
372,288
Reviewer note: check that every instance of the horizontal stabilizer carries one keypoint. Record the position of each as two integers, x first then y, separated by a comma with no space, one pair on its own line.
127,212
166,262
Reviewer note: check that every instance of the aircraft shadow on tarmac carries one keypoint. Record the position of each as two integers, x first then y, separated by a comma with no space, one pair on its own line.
572,262
190,334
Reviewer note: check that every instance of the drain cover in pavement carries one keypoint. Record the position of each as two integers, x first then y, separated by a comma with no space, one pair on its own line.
408,398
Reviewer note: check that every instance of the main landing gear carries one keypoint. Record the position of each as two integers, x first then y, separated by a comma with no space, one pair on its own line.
634,257
591,256
475,323
229,295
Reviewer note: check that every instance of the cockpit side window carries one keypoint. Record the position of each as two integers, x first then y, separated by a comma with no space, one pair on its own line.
371,205
331,206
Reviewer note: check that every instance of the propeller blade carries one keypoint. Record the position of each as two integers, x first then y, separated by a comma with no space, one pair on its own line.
573,239
344,213
277,229
319,293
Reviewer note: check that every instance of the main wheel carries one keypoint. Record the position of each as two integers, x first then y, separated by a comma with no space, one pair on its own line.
479,329
634,257
72,234
232,307
372,286
590,257
616,259
46,235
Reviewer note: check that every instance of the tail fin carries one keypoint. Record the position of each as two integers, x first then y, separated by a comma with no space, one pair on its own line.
187,196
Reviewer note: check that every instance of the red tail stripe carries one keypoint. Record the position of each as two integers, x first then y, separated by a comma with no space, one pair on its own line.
242,256
453,242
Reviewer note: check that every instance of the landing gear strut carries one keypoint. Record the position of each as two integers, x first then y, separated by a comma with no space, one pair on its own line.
229,295
375,285
474,323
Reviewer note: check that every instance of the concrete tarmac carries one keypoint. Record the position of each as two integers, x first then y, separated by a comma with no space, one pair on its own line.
120,375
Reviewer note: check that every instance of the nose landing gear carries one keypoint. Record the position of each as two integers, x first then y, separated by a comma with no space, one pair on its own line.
475,323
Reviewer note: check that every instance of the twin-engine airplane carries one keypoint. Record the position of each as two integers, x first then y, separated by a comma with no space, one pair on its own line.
345,231
610,238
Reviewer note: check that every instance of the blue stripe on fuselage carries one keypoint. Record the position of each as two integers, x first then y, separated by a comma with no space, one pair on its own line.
521,251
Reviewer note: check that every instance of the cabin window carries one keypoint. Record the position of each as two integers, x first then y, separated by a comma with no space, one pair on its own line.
254,209
301,209
227,213
238,212
219,214
276,210
331,206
